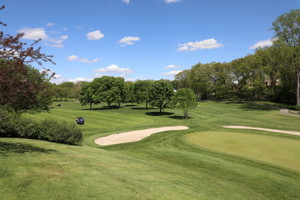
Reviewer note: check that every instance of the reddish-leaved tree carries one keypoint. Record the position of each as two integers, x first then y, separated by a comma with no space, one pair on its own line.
22,87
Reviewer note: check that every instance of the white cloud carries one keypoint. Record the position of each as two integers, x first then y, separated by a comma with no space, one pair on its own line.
129,40
172,73
58,42
58,79
84,60
95,35
172,66
114,69
204,44
34,33
126,1
72,58
172,1
261,44
79,27
50,24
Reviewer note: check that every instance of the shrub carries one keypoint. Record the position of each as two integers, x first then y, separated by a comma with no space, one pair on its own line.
297,107
49,130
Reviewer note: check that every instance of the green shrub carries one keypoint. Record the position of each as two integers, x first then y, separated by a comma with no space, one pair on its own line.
16,126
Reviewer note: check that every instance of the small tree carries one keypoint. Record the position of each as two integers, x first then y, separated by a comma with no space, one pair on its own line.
184,99
160,94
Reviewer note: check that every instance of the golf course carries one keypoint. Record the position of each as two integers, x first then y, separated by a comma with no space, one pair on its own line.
205,161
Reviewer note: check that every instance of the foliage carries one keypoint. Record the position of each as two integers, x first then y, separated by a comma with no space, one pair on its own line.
108,89
49,130
287,34
86,95
184,99
21,86
160,94
141,91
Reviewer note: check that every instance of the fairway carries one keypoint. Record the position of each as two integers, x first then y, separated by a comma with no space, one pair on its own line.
205,161
266,148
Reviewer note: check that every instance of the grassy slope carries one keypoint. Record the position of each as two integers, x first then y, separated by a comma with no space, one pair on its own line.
162,166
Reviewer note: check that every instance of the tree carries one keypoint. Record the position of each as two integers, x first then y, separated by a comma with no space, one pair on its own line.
184,99
21,86
141,91
86,95
182,79
130,94
287,36
108,89
160,94
201,80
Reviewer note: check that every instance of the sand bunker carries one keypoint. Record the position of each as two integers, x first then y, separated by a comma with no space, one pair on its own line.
134,136
265,129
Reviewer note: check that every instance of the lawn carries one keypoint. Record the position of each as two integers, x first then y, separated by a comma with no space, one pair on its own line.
204,162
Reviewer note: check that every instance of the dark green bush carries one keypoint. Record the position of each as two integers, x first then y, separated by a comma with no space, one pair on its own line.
297,107
49,130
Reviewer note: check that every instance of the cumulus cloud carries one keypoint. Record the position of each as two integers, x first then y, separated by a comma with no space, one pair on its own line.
114,69
57,42
95,35
84,60
34,33
204,44
40,33
261,44
129,40
126,1
172,1
172,73
72,58
58,79
172,66
50,24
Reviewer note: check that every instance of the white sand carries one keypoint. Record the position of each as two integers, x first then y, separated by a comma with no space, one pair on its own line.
134,136
265,129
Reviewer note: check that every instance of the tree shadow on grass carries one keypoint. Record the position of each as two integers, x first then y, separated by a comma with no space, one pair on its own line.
143,108
130,105
20,148
104,108
179,117
158,113
258,107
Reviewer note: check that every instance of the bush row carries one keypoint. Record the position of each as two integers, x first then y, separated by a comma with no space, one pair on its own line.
49,130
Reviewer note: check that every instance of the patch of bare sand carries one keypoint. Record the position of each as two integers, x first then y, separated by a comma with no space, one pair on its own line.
134,136
265,129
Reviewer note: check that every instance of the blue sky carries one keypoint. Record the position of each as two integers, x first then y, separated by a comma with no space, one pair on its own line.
142,39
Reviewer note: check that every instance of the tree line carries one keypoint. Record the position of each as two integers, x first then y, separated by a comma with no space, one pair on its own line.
271,73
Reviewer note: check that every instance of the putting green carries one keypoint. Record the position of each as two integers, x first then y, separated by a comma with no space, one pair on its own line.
275,150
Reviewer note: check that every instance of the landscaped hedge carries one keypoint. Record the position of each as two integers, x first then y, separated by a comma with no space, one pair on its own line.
49,130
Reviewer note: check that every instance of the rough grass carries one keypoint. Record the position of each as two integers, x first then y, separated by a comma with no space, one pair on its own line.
163,166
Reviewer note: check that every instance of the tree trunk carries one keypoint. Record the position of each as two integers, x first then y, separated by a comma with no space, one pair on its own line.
108,104
186,112
298,88
146,104
91,105
160,109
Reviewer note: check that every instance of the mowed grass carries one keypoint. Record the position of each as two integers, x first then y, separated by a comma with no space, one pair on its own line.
163,166
266,148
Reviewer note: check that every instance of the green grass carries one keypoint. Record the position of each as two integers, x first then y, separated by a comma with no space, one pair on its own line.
163,166
266,148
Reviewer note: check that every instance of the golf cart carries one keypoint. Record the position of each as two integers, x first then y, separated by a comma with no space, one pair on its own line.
80,120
